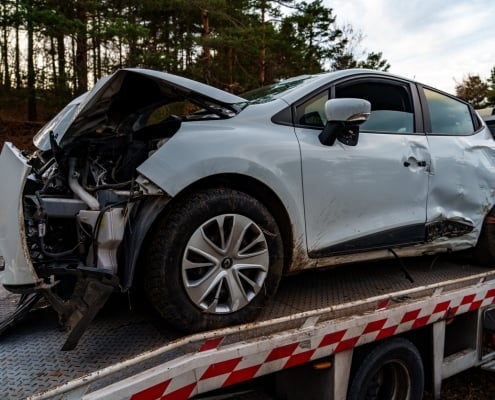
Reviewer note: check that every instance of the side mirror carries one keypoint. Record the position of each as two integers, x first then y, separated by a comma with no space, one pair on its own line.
343,119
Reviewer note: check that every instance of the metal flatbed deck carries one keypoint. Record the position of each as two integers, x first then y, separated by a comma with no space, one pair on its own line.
33,363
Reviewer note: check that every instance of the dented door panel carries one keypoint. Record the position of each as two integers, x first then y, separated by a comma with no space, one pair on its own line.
361,192
461,181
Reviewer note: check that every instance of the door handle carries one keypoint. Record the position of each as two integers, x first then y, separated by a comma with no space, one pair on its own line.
419,164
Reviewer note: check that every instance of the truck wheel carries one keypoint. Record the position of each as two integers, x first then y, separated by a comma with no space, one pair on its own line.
393,370
214,260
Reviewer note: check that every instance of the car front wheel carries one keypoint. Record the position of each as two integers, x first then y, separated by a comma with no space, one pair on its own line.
213,261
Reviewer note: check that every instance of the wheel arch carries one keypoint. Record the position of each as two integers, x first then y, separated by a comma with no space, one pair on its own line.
255,189
242,183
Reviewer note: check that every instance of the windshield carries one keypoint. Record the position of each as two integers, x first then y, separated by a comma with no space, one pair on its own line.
271,92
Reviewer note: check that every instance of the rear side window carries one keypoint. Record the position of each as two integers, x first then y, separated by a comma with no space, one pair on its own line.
448,115
391,105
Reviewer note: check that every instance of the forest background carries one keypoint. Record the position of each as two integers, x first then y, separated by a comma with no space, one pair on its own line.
53,50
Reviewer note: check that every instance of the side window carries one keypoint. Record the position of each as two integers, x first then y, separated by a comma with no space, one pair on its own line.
312,111
391,105
448,116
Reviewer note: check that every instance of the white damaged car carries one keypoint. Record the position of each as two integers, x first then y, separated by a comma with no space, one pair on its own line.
208,198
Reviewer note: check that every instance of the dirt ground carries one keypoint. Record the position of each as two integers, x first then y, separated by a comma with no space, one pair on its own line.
473,384
18,132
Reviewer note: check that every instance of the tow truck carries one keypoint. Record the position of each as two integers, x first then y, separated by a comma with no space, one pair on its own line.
364,331
388,330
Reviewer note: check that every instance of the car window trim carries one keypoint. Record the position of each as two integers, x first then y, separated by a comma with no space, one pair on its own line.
477,126
410,86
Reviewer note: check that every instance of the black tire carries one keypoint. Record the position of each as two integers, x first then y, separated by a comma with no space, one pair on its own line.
393,370
484,252
187,251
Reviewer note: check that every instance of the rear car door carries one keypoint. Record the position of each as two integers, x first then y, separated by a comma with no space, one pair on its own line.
462,171
373,195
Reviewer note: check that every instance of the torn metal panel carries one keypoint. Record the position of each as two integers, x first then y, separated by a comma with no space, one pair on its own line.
13,174
121,94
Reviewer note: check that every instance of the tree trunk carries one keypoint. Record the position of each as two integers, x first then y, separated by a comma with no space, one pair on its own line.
82,48
5,54
230,67
206,48
17,66
31,74
62,73
263,44
53,61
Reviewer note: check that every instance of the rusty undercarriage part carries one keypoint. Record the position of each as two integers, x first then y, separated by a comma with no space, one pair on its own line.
92,290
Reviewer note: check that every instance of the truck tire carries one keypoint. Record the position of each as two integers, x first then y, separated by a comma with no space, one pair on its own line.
393,370
213,261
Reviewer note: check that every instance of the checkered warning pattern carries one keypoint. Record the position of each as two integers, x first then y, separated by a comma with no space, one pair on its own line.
329,339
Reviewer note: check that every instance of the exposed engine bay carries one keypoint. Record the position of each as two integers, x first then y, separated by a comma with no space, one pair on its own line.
77,202
79,197
68,198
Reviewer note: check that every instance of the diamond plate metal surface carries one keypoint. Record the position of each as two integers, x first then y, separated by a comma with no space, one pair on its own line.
30,352
324,288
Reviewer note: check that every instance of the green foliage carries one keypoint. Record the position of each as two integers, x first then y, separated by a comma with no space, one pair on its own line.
473,90
349,54
232,44
314,31
374,61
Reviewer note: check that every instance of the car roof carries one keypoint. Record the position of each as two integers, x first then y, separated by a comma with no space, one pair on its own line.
314,82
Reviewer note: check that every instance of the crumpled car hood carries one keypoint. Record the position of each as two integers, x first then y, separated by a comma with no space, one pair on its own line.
125,92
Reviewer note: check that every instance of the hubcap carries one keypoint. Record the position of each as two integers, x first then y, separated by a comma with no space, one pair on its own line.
225,263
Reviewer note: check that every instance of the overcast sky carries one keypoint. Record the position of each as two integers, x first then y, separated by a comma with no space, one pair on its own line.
431,41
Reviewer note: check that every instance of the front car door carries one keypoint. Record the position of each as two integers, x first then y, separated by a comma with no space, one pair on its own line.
373,195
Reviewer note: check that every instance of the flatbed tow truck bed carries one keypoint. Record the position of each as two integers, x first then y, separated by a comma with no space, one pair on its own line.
122,342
